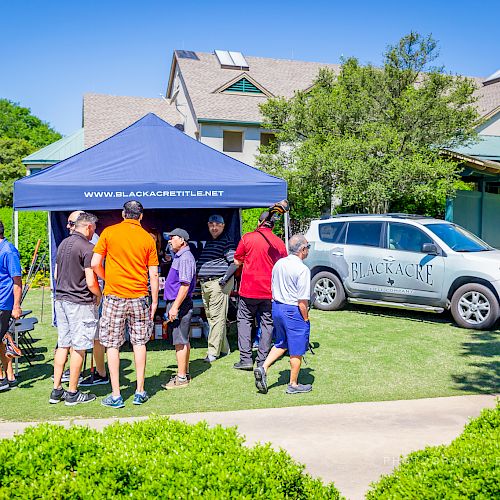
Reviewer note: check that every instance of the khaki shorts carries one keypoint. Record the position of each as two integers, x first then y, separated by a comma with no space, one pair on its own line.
76,324
116,311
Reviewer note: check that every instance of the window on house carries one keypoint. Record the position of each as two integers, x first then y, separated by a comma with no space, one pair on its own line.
232,141
269,139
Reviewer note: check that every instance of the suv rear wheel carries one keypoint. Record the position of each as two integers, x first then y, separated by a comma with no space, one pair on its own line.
474,306
328,291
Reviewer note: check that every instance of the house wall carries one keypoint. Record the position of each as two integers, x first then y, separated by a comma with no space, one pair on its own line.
183,106
477,212
212,135
490,127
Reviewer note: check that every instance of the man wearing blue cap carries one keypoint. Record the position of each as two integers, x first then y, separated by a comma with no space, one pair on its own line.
212,265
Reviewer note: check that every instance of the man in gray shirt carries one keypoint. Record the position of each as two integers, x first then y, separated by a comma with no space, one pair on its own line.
290,285
77,298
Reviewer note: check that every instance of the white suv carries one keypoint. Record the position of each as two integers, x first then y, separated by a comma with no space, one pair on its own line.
406,261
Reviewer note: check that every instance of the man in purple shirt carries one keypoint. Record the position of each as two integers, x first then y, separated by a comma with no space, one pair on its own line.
179,287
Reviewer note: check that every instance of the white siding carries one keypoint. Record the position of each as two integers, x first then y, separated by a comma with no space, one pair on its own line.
182,105
491,127
212,135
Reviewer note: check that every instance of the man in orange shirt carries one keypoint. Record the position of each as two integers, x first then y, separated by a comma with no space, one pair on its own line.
130,254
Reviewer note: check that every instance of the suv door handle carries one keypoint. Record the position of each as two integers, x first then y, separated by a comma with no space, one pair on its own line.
338,253
389,259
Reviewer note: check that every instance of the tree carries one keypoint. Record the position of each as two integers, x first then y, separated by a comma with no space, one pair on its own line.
370,137
11,168
21,133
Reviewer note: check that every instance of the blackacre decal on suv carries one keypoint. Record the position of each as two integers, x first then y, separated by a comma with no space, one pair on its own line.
405,261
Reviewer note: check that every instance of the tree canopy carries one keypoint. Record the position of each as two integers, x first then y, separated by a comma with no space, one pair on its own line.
21,133
369,137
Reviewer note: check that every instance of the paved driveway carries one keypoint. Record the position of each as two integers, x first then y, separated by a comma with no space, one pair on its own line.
350,444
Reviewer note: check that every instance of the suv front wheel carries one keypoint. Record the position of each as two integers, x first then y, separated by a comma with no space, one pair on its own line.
474,306
328,291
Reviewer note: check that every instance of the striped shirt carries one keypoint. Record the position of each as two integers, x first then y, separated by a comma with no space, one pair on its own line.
215,257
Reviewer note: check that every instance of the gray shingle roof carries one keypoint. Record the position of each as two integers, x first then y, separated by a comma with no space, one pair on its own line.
281,77
105,115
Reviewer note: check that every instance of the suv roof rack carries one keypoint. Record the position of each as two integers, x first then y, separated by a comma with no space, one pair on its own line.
396,215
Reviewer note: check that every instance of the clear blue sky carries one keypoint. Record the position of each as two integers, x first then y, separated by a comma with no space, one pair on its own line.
54,51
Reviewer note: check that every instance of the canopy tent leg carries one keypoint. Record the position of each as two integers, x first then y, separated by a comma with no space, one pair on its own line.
15,224
51,267
286,223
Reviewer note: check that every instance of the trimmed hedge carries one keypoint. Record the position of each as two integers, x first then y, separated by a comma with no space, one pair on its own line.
468,468
32,226
155,458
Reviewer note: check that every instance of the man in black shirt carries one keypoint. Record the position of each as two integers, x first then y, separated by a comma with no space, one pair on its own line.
77,298
212,265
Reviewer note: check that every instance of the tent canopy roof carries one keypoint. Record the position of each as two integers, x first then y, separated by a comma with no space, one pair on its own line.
152,162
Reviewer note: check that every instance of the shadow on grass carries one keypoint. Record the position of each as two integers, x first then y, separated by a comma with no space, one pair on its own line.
305,377
409,315
486,377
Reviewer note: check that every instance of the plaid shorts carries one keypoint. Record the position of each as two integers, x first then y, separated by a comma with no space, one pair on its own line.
115,312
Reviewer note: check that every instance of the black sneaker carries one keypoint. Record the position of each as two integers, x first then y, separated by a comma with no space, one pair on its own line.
94,379
260,379
243,366
75,398
298,389
13,383
4,384
57,395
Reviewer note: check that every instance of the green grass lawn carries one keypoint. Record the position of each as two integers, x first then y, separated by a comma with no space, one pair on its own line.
362,354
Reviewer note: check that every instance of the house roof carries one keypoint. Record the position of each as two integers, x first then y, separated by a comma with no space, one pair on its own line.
488,97
204,76
105,115
483,155
486,148
57,151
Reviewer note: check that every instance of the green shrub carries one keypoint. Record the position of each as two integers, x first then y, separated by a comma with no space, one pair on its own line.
32,226
468,468
155,458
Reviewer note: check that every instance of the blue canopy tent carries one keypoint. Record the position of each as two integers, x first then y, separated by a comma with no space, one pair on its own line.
167,171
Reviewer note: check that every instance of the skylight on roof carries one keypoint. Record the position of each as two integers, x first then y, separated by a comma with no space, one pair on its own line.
495,77
231,60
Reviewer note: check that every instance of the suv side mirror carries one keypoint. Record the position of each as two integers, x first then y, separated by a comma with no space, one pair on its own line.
430,248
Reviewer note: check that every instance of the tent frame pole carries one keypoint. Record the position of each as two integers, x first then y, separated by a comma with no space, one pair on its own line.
15,215
51,270
286,220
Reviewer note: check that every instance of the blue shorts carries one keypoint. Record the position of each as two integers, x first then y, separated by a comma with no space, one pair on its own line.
290,330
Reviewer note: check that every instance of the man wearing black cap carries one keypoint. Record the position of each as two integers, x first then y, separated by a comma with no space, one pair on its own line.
212,265
179,287
257,251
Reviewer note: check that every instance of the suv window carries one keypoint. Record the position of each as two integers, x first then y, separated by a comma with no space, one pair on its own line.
406,237
332,232
364,233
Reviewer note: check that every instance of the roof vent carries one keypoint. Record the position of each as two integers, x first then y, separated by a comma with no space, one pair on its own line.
494,78
231,60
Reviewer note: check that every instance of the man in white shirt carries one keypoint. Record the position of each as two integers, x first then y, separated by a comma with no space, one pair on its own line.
291,287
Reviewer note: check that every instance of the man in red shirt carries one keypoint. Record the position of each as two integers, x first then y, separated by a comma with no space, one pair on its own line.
257,252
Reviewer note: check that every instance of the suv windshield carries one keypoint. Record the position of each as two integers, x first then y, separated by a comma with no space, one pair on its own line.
458,239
